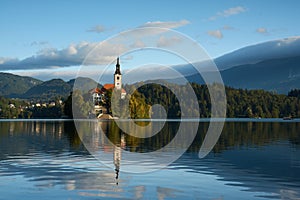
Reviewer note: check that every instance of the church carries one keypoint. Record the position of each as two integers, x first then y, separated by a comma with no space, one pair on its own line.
98,95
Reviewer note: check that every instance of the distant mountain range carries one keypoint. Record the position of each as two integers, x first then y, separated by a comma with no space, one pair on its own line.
275,49
273,66
15,86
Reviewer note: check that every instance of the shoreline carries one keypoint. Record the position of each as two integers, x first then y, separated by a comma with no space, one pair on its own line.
107,118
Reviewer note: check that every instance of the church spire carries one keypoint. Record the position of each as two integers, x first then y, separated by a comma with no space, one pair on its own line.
118,67
118,76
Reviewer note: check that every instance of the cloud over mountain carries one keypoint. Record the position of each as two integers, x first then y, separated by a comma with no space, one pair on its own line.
73,55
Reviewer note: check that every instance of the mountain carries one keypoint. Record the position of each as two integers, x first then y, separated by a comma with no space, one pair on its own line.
48,90
279,75
282,48
272,66
57,87
83,84
13,85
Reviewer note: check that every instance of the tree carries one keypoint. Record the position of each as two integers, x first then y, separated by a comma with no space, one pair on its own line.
76,107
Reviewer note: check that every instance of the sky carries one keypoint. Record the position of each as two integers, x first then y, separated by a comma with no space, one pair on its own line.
51,39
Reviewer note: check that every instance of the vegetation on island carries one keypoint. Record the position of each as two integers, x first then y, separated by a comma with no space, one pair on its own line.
240,103
138,108
83,106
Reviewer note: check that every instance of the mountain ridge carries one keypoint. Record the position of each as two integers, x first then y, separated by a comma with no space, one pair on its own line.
12,85
252,54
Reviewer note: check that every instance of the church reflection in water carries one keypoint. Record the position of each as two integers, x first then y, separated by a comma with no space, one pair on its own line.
118,156
105,141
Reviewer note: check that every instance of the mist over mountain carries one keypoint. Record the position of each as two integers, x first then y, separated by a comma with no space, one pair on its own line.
282,48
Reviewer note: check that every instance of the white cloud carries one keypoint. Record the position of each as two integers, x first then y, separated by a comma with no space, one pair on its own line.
39,43
152,29
226,27
73,55
233,11
167,41
168,25
63,73
97,29
7,60
215,33
228,12
262,30
155,71
287,41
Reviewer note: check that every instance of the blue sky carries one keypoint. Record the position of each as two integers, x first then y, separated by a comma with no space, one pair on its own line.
31,31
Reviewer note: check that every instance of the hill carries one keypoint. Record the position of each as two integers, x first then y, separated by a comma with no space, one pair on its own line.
58,88
13,85
83,84
48,90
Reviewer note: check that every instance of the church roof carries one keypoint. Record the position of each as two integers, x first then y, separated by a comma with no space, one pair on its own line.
109,86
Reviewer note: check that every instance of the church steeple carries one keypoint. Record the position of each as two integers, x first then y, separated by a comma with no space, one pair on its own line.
118,76
118,67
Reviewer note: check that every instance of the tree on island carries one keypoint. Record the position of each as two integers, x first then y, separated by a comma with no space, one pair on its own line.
77,106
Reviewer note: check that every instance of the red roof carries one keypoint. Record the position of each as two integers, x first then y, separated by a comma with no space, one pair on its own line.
108,86
95,90
111,86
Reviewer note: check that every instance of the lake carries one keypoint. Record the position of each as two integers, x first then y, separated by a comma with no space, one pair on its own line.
46,159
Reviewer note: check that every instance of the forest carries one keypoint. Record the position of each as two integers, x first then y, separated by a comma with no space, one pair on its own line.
241,103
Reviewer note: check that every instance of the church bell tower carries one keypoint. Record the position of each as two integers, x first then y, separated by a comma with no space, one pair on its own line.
118,76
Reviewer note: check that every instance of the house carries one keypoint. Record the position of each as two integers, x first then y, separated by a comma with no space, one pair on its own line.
97,95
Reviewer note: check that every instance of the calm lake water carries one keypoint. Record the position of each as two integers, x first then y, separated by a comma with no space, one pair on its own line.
251,160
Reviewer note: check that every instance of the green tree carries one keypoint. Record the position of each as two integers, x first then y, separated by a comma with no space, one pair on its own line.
76,107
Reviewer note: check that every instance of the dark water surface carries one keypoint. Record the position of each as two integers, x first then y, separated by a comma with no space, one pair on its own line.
252,160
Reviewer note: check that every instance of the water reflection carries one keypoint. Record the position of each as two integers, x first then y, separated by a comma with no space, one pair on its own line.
251,160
